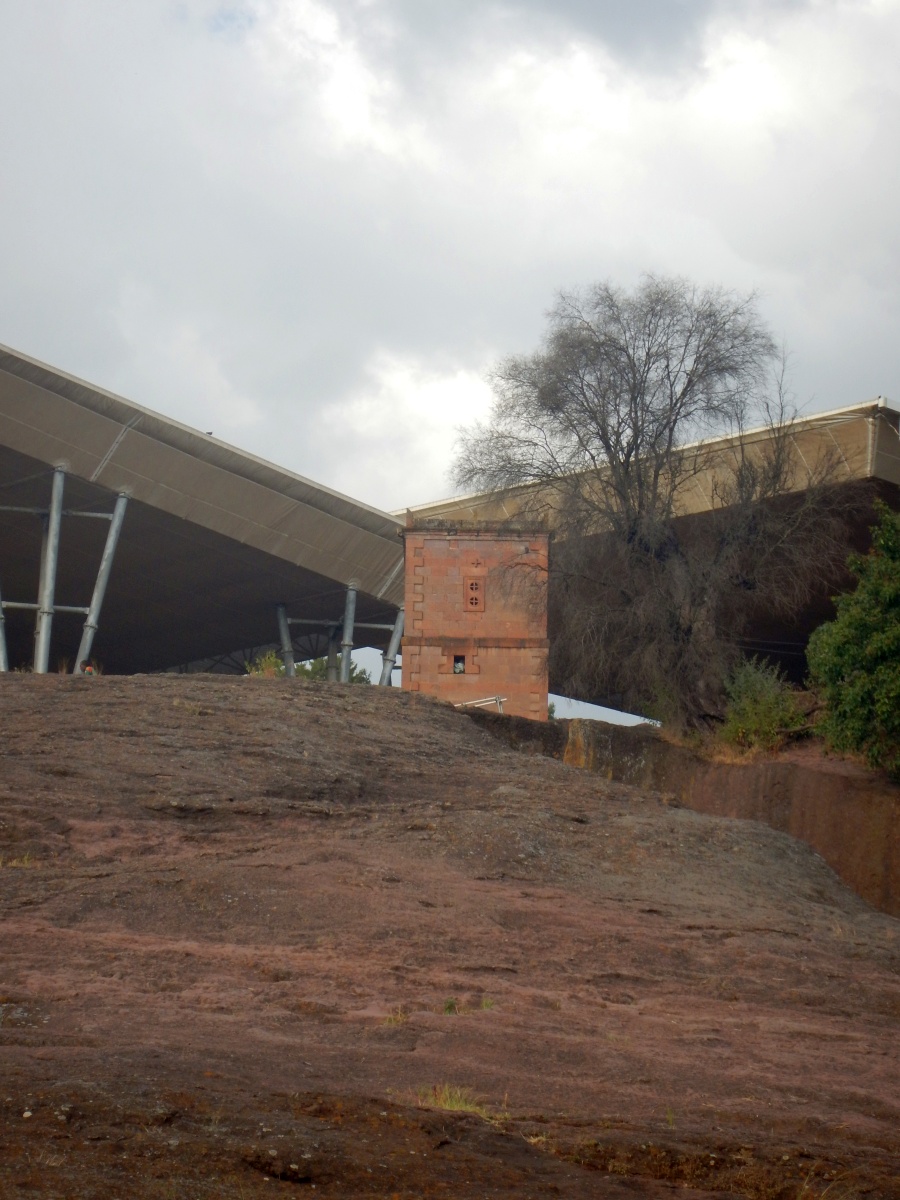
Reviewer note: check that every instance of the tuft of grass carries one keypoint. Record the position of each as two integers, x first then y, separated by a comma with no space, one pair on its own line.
454,1007
539,1140
397,1016
838,1189
25,860
452,1098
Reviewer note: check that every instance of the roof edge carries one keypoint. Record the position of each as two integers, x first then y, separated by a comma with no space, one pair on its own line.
879,404
186,438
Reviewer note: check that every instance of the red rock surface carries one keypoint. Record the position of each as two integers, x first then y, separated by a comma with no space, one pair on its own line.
235,912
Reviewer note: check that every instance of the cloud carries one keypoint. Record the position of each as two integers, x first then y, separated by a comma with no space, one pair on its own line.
659,35
311,225
168,347
308,57
408,404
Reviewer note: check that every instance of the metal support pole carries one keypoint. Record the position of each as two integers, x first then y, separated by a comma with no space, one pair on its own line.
48,582
331,672
391,657
4,657
287,649
347,638
106,561
42,571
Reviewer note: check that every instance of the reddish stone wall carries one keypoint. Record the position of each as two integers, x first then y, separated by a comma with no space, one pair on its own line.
476,616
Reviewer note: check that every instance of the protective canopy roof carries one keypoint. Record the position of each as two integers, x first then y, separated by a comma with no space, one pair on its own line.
213,537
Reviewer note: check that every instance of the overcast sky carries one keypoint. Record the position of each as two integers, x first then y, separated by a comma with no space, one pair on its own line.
312,225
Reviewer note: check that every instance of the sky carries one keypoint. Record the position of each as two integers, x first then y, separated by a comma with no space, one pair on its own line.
312,226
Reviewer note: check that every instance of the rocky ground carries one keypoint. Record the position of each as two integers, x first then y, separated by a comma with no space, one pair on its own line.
259,937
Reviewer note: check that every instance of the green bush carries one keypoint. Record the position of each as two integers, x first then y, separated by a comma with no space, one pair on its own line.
268,663
854,661
762,709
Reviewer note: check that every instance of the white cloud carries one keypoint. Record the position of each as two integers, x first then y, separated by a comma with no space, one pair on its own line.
301,225
306,55
742,89
399,428
166,349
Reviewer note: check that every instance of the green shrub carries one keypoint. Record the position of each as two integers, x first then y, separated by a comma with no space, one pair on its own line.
762,709
854,660
268,663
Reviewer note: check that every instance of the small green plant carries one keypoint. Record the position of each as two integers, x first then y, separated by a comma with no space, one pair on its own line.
854,660
551,711
762,710
486,1004
268,663
451,1006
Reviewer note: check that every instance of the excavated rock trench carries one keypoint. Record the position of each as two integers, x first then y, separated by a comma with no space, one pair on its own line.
259,935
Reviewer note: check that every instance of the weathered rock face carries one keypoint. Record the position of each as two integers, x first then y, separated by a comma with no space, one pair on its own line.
848,814
246,924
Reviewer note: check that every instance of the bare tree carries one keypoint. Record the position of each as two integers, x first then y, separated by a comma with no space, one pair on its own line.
605,434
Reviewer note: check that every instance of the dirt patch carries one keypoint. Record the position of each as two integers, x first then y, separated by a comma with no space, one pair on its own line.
254,929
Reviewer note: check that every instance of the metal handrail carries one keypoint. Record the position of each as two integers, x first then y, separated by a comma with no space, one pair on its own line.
498,700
